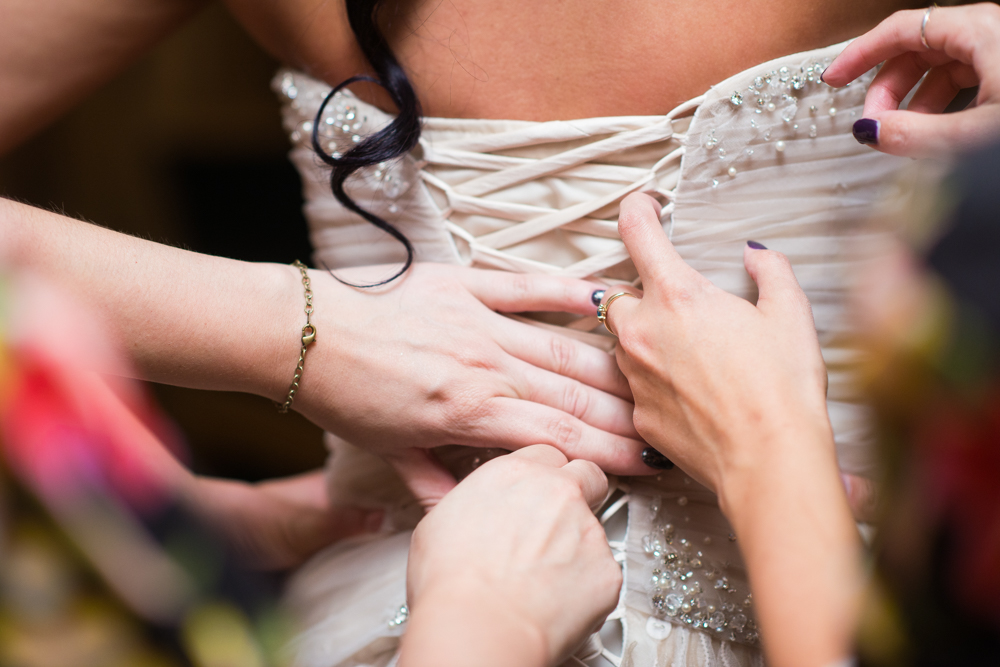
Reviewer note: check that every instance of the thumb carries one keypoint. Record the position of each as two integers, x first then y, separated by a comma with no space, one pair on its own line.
914,134
778,288
423,474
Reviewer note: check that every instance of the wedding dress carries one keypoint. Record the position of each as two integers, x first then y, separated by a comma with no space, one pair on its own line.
765,155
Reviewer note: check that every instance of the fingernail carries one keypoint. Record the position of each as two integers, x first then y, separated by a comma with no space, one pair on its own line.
756,246
656,460
866,131
596,297
823,75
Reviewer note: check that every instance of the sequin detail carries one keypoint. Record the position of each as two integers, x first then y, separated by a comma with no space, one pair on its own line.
686,587
779,94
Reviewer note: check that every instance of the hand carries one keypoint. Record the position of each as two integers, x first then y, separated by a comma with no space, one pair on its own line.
512,566
735,394
964,52
275,524
715,378
426,361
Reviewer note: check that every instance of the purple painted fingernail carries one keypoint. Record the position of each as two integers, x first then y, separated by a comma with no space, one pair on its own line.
596,297
756,246
866,131
656,460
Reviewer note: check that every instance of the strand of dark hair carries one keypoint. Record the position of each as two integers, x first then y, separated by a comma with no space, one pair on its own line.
389,143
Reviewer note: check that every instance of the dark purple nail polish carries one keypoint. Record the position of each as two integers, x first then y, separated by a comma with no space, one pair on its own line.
656,460
596,297
866,131
756,246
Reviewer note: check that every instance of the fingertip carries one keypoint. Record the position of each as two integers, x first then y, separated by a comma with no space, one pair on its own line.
866,131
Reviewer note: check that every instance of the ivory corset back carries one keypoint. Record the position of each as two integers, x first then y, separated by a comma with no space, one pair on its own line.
766,155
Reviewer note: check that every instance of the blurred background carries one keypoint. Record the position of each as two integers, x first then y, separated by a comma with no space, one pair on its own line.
186,148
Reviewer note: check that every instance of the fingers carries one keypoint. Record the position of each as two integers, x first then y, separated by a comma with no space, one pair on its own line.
564,356
600,410
619,311
912,134
593,482
426,478
513,424
893,83
940,87
778,288
508,292
542,454
641,231
949,32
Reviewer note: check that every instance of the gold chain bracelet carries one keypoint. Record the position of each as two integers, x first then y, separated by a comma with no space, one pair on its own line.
308,338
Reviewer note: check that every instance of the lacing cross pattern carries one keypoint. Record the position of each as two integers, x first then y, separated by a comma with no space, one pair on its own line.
590,161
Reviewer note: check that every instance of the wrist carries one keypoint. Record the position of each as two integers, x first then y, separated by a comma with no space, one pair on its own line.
470,623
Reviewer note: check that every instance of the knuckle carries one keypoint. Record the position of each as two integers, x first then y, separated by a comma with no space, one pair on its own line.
564,355
566,434
576,400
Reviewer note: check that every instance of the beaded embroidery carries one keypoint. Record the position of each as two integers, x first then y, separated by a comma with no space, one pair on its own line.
687,587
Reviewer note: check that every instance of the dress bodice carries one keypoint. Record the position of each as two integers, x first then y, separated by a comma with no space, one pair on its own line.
766,155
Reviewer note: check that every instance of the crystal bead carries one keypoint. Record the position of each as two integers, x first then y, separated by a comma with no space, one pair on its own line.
393,208
722,584
715,182
812,131
798,83
758,82
722,152
783,74
738,622
356,138
736,99
672,604
717,621
788,113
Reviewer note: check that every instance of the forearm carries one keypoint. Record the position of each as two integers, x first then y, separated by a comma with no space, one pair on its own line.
801,547
457,628
183,317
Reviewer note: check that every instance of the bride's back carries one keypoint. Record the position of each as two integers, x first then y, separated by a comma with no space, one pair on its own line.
530,60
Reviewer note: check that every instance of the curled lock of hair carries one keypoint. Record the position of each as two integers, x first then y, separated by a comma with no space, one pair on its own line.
392,141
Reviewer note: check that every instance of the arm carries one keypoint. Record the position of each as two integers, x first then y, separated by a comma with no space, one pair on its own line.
54,52
735,394
423,362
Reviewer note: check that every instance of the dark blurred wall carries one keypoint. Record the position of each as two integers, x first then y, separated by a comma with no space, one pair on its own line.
187,148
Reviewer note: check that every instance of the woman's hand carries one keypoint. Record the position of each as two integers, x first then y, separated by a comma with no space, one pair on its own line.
735,394
275,524
428,361
962,51
512,567
717,381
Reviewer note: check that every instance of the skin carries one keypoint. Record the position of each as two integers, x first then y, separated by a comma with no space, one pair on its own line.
189,319
735,394
965,47
497,590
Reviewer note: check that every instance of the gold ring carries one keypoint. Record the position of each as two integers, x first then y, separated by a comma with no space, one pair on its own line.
923,27
602,310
